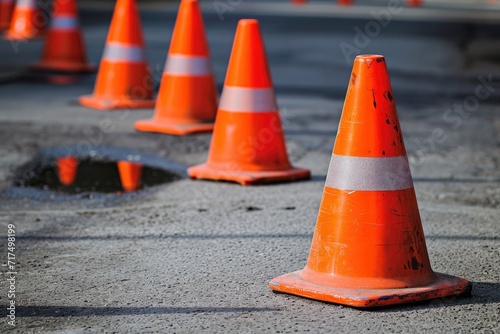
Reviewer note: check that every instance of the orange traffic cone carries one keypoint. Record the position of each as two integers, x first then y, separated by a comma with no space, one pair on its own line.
6,8
248,145
187,100
415,3
67,169
27,21
368,247
64,50
344,2
130,175
124,79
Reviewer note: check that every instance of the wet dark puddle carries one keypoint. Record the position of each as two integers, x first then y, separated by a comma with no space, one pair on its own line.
70,176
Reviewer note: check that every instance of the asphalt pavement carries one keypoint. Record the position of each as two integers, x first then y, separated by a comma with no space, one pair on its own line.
197,256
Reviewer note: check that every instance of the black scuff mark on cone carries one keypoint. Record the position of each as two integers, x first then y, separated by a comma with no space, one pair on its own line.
415,265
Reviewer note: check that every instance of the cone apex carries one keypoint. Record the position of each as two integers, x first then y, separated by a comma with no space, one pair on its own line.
370,57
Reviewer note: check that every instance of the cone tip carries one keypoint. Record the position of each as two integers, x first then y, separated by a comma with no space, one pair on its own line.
189,3
248,22
370,58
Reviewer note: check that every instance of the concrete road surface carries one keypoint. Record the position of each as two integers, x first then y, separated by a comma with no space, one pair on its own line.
189,257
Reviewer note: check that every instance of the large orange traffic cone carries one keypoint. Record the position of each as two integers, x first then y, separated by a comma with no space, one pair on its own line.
64,50
124,79
27,22
66,170
6,8
248,145
187,100
130,175
368,247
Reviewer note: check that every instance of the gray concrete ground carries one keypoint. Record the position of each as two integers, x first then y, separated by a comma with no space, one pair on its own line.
193,257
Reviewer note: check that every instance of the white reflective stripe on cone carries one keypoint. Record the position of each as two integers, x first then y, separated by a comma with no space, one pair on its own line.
116,52
64,22
369,174
26,3
178,64
240,99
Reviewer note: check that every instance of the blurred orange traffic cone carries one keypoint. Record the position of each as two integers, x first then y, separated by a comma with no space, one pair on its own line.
6,8
67,169
248,145
27,22
64,50
187,100
124,79
130,175
345,2
415,3
368,247
299,2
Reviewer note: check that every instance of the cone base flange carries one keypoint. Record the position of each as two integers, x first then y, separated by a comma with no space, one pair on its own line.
444,286
64,67
207,172
172,127
94,102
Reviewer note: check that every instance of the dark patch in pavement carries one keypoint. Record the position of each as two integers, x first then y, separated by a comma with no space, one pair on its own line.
76,311
27,185
252,208
161,236
225,236
92,177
